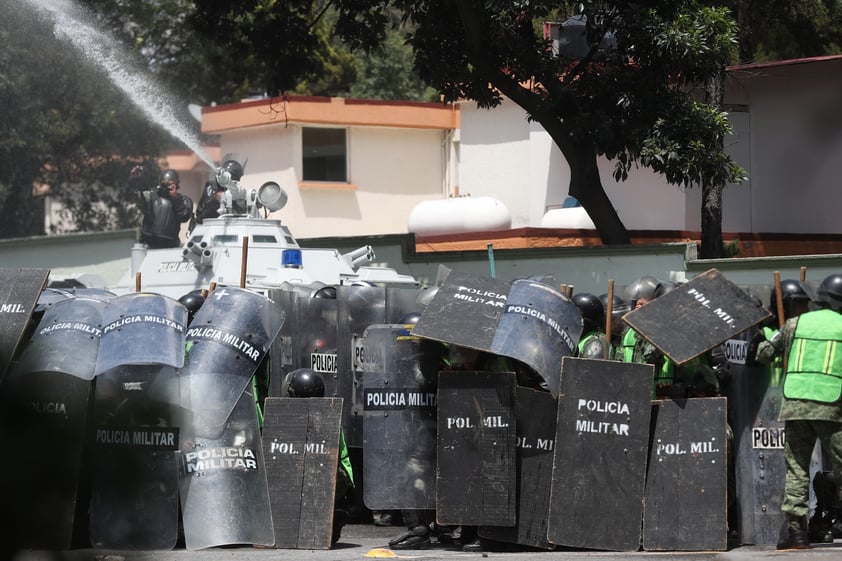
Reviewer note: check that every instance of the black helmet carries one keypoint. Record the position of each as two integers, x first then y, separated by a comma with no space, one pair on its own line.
644,287
169,175
326,292
792,294
234,169
193,300
593,312
830,291
303,382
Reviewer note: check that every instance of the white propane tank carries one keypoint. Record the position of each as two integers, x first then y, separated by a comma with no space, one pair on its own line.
574,218
458,215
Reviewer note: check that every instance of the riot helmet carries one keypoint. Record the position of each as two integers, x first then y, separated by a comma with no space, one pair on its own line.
592,310
303,382
326,293
193,300
167,176
410,319
830,292
795,299
646,287
234,168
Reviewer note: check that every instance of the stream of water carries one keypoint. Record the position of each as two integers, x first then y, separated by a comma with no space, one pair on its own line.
70,24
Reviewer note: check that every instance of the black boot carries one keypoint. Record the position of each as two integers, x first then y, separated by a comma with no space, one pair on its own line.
820,527
796,537
416,538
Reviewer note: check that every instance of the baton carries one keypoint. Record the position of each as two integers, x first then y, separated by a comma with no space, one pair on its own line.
244,266
781,319
609,309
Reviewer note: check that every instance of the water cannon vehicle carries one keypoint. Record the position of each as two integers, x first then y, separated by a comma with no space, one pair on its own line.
244,247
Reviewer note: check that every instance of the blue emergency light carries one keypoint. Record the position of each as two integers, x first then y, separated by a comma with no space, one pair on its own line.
291,258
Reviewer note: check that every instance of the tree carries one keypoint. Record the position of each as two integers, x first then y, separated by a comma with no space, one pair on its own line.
620,99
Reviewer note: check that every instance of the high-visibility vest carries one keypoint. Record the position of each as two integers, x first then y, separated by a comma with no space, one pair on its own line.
814,363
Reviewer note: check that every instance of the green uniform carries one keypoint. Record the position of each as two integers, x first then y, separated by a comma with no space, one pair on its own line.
811,406
592,345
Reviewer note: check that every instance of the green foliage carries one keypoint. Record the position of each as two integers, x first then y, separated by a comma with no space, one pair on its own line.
388,73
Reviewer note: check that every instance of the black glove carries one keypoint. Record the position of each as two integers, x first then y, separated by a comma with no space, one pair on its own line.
164,191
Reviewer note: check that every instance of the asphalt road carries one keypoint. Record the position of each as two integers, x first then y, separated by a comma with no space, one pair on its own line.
360,541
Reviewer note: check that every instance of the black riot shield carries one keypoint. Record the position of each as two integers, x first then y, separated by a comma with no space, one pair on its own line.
301,444
44,413
476,479
754,402
66,339
399,428
359,307
315,342
602,438
134,479
281,354
45,401
535,415
716,308
222,483
684,508
19,291
539,326
228,339
528,321
142,329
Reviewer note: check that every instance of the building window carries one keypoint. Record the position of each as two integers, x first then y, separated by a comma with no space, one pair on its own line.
325,154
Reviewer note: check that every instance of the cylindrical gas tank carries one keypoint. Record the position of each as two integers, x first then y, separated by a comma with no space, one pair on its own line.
458,215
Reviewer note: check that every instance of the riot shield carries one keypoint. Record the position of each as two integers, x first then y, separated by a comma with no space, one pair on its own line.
754,402
45,414
222,483
539,326
281,355
716,308
528,321
301,443
359,307
399,414
684,507
66,339
535,415
602,438
19,290
140,329
134,478
229,338
476,479
315,341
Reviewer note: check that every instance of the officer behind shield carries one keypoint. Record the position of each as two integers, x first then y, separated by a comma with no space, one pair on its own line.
811,408
592,343
305,382
164,210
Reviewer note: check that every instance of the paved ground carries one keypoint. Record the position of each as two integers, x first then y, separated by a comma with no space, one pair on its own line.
361,541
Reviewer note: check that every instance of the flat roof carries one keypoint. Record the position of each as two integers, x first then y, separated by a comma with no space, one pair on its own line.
329,111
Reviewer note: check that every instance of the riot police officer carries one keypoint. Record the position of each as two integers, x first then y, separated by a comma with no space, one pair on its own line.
811,407
592,343
164,210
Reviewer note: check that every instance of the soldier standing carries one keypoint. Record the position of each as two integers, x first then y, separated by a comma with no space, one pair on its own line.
811,408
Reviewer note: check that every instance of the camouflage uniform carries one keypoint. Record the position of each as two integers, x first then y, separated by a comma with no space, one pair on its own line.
805,421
